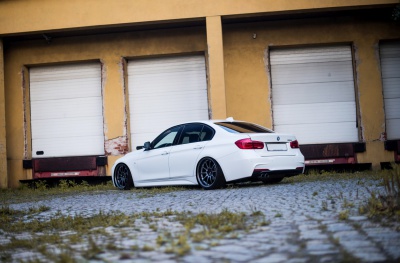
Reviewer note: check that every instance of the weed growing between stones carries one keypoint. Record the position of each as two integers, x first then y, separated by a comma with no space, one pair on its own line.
344,215
77,238
387,202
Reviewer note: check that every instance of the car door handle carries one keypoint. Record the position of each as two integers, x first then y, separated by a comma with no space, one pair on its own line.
165,153
198,147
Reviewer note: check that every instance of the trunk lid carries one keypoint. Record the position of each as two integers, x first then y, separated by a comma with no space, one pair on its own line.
274,144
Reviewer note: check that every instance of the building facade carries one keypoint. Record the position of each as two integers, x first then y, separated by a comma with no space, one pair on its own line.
84,82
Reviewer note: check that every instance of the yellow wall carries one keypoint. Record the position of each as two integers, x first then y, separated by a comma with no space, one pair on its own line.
44,15
216,67
247,76
3,148
111,50
238,76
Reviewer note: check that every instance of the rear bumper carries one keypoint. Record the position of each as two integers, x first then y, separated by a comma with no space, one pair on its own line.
260,174
245,164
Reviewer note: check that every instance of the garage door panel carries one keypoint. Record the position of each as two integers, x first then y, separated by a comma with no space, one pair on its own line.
150,66
72,127
64,72
90,145
166,83
170,102
315,113
319,132
164,92
64,89
392,107
290,56
393,128
391,87
390,66
145,122
141,138
312,73
313,93
66,110
81,107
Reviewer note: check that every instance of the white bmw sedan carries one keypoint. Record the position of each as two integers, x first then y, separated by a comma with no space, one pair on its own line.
210,154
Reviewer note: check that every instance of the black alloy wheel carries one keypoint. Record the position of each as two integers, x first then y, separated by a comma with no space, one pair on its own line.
122,177
209,174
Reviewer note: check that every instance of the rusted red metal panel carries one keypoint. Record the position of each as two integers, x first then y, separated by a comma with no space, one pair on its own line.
63,174
324,151
64,164
65,167
330,161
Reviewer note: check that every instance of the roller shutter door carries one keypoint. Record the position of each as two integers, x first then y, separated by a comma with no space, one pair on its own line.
313,94
390,65
164,92
66,110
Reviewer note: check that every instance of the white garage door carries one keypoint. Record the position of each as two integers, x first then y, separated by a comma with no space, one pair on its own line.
66,110
164,92
313,94
390,64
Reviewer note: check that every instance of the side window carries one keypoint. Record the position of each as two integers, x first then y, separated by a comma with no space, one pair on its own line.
167,138
207,133
191,133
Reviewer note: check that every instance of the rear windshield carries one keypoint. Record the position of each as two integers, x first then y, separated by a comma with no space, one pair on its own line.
242,127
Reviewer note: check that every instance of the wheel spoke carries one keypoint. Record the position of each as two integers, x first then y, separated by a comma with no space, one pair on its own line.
122,175
207,172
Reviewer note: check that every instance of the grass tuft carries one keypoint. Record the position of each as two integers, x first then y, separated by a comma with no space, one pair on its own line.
387,202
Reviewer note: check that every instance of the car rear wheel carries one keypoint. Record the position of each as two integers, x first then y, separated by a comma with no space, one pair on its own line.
209,174
122,177
272,180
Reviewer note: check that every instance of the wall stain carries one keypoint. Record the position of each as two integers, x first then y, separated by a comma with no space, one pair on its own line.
117,146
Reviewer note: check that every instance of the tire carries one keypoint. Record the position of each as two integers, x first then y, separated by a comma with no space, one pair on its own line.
209,174
123,177
272,180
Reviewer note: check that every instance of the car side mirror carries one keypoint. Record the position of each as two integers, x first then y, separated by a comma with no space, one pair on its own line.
147,146
139,147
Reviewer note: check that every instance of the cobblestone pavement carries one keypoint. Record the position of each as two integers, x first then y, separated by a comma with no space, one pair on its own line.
308,222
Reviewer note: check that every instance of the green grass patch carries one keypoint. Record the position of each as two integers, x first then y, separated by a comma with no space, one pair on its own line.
40,190
314,176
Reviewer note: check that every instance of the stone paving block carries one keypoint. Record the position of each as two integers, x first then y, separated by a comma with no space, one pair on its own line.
339,227
197,259
272,258
313,234
303,232
367,256
349,235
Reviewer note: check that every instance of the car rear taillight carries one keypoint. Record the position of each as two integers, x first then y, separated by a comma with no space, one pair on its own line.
247,144
294,144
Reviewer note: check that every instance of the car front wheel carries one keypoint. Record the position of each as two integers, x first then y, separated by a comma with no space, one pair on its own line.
122,177
209,174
